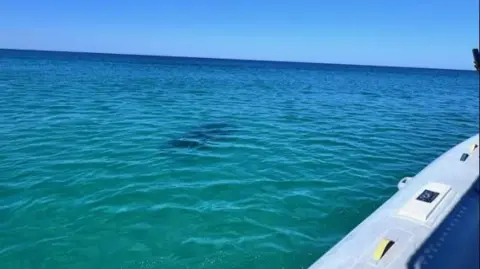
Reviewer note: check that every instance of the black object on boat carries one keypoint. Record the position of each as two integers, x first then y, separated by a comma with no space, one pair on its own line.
476,59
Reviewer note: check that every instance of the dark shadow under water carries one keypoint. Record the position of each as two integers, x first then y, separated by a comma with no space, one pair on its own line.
200,136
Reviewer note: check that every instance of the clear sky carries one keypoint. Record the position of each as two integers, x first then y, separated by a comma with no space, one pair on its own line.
420,33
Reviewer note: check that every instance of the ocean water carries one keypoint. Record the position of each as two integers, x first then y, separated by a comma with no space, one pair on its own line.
110,161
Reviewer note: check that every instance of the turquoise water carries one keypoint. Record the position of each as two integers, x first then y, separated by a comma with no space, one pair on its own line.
111,161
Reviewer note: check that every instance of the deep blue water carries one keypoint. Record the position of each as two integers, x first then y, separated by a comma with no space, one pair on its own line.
121,161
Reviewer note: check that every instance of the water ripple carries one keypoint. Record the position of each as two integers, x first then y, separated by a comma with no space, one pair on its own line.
286,160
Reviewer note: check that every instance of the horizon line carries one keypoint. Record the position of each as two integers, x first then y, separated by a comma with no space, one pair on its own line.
236,59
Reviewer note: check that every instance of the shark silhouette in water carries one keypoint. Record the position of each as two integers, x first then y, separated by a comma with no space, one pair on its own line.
199,137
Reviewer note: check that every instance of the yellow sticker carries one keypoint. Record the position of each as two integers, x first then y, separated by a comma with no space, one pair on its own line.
473,147
382,248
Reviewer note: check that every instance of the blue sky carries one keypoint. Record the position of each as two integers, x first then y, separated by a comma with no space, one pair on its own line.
420,33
